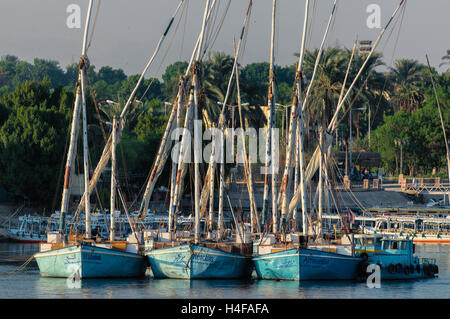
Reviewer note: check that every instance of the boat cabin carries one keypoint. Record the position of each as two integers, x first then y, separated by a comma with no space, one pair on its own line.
385,250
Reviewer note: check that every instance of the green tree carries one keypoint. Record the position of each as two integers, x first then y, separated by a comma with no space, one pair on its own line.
171,78
406,77
446,61
31,147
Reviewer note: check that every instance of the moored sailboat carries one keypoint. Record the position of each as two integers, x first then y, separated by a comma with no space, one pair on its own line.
286,254
173,255
63,256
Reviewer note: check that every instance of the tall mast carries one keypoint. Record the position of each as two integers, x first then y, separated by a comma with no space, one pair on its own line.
270,143
208,187
247,160
70,155
197,139
165,144
185,143
106,154
292,148
113,179
85,138
313,163
301,157
272,108
87,211
442,124
75,119
180,102
320,186
212,162
211,195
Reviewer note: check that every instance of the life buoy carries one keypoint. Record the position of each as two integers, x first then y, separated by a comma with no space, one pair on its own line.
398,267
391,268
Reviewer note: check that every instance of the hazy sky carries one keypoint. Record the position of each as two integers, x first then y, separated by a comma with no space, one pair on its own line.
127,30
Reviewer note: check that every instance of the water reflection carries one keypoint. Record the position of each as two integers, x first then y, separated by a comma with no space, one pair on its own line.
29,283
16,252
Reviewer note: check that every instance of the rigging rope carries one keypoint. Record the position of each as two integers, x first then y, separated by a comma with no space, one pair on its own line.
311,24
93,26
163,59
368,74
391,62
58,185
186,7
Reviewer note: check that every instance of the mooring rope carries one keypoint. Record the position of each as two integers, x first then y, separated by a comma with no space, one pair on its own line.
20,268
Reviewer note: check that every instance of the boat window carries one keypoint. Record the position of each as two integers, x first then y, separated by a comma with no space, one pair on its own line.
403,245
370,241
386,244
394,245
378,241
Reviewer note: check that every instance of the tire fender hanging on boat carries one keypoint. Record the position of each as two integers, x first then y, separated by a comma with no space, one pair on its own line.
391,268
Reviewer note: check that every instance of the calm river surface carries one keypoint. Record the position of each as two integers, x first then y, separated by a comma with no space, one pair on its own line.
29,284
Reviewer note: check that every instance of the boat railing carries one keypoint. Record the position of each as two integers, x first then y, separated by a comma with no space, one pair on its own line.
429,261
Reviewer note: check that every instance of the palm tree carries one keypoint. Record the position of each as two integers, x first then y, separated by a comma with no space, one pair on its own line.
446,61
406,76
368,90
326,87
216,73
111,109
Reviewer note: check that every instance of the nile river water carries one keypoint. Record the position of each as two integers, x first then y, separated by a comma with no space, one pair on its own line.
29,284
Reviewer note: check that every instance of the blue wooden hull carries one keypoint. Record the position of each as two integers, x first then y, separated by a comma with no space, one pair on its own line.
91,261
410,268
305,264
198,262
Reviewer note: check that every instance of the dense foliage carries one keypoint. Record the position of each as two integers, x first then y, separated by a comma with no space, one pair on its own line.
36,102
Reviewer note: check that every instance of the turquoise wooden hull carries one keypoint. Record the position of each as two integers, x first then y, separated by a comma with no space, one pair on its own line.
410,267
93,262
305,264
197,262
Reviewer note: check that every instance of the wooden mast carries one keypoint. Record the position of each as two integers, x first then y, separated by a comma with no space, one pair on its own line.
313,163
85,137
173,180
442,124
70,155
164,146
300,124
320,186
106,154
185,144
270,143
75,119
113,179
87,211
292,148
197,138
